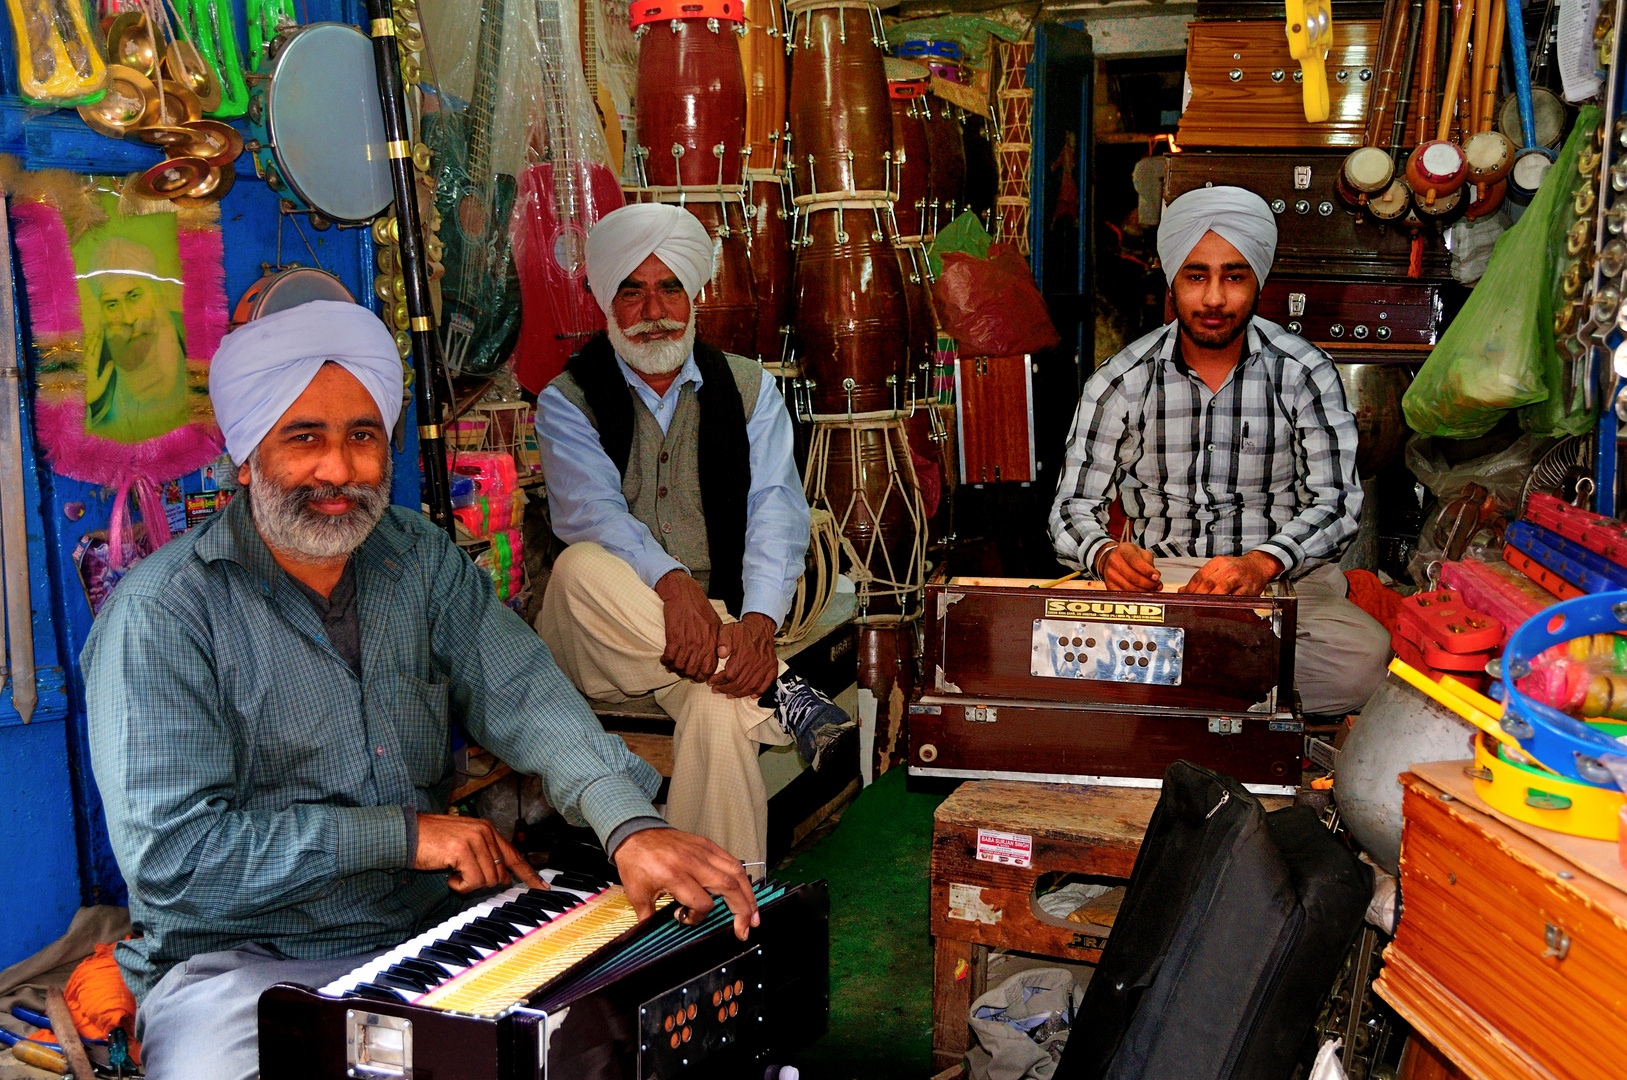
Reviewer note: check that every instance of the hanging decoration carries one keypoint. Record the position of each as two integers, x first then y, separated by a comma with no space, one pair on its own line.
127,302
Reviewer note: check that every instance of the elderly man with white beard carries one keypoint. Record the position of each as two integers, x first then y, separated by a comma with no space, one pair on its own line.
269,703
670,474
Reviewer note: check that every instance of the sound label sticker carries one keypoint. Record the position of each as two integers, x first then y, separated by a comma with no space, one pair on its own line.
1012,849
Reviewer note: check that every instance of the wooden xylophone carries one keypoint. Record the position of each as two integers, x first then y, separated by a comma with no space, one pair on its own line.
566,982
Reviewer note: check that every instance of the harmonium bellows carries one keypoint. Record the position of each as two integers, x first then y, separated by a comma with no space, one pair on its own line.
566,982
1245,88
1316,235
1082,685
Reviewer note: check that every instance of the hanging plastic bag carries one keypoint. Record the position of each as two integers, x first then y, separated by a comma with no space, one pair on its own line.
966,233
992,307
59,57
1496,354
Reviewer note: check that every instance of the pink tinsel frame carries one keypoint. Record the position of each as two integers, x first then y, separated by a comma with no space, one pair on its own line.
53,301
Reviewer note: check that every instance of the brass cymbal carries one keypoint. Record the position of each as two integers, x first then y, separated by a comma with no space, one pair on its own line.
130,97
211,187
166,135
217,143
187,66
170,177
185,106
132,43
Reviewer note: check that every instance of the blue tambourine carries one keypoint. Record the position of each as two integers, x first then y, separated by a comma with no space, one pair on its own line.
1563,743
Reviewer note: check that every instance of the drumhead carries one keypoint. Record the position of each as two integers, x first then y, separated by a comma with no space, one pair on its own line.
1392,203
286,289
1369,169
1546,109
1529,169
334,159
1442,160
905,70
1487,151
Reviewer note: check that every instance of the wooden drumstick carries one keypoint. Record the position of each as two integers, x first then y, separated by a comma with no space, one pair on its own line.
1425,95
1454,71
1493,64
1381,100
1482,23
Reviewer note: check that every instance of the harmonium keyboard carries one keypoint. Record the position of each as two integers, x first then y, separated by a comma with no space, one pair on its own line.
1075,684
566,984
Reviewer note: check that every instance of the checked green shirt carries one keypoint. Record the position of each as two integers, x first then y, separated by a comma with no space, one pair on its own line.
254,786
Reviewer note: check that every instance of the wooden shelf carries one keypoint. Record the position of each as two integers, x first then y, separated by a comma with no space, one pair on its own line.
465,790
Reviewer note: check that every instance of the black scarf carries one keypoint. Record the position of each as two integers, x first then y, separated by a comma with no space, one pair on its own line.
724,452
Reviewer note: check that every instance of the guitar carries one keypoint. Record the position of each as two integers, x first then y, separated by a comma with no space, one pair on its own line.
480,293
560,199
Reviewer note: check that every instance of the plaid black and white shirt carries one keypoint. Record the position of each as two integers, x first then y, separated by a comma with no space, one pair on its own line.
1266,464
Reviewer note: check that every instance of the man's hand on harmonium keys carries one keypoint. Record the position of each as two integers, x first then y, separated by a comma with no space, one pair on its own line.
473,851
690,869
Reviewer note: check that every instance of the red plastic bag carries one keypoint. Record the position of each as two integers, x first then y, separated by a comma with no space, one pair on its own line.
991,307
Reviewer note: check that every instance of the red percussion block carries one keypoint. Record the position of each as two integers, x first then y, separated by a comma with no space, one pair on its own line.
691,103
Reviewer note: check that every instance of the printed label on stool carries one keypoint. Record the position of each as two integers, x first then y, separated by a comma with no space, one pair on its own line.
966,904
1013,849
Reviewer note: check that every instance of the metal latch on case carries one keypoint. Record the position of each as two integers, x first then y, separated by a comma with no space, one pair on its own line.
982,714
1225,725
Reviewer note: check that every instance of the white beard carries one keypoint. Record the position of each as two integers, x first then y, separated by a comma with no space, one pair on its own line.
652,357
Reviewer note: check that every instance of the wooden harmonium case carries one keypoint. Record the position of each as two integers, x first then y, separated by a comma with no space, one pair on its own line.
1246,90
1376,317
1081,685
1317,236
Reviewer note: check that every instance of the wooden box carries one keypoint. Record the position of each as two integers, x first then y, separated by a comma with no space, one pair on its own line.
1316,235
1511,954
1377,317
1244,88
994,418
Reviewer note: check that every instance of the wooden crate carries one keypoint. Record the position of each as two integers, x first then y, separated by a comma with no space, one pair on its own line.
1511,955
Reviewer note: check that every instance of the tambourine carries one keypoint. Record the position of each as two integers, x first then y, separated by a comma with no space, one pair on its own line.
280,290
1542,799
1563,743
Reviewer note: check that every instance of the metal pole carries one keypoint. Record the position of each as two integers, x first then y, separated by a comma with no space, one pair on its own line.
13,508
426,364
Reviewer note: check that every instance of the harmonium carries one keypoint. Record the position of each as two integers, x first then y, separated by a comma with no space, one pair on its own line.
1076,684
566,983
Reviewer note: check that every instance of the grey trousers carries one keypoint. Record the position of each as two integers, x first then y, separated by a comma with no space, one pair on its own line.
1341,652
201,1022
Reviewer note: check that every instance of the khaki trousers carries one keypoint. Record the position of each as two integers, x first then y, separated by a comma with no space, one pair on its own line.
607,633
1340,653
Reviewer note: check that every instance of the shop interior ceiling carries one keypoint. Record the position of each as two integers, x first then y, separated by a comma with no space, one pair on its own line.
1061,10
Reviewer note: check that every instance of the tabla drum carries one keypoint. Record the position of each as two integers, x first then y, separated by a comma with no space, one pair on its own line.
280,290
1530,166
1368,170
907,84
763,60
327,160
841,124
691,98
948,154
1434,170
817,585
852,314
726,306
1546,109
1392,203
1490,156
862,473
923,322
769,223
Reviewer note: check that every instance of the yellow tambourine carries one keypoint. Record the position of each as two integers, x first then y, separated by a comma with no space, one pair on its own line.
1543,799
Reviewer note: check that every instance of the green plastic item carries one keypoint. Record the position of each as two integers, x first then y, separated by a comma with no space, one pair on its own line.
965,233
266,19
1498,354
210,26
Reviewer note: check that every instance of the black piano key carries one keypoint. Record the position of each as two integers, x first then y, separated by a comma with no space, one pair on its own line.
474,937
409,984
435,973
549,900
503,931
377,993
450,952
405,978
570,879
519,915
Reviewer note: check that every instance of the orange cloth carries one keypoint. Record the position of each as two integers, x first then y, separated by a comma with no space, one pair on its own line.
1373,596
98,1000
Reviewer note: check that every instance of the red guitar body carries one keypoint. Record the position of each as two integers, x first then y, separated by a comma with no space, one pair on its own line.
552,216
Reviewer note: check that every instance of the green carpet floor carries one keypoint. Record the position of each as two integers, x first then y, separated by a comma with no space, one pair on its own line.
880,952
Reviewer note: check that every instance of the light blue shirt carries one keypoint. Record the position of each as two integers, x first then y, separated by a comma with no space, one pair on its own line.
585,501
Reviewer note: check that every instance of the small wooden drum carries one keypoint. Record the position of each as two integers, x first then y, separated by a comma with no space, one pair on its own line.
1490,156
1546,109
852,313
726,306
762,58
841,124
1436,168
280,290
1530,166
1445,209
1368,170
907,84
818,582
1485,199
1392,203
862,473
772,263
691,101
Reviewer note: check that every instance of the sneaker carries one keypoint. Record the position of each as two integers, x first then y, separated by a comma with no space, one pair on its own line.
810,717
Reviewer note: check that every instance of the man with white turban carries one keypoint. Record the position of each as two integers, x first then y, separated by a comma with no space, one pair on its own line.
270,703
671,477
1230,448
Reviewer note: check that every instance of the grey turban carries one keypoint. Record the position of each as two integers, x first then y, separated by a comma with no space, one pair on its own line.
624,238
1236,215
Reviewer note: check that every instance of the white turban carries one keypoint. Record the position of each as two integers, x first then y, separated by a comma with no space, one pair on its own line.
625,238
264,365
1236,215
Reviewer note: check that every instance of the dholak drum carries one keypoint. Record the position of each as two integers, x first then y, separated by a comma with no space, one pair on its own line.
726,306
280,290
762,59
691,97
1490,155
329,160
907,84
841,125
863,475
852,314
818,582
948,155
771,261
923,323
